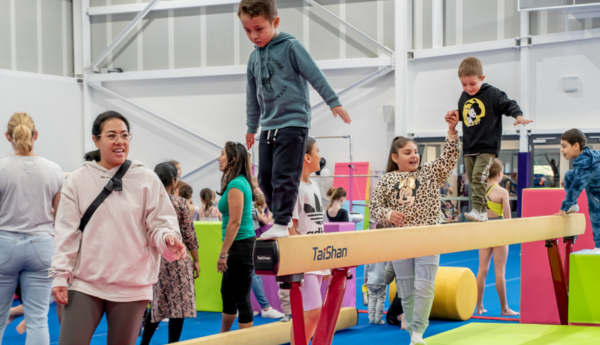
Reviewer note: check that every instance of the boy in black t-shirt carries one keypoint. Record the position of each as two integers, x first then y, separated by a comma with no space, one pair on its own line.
481,107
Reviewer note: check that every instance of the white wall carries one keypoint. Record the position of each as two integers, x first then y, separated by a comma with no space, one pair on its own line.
55,106
215,108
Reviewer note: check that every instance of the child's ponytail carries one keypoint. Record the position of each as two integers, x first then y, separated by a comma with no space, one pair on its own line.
335,194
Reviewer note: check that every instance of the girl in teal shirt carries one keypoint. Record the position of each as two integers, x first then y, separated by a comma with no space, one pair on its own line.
235,259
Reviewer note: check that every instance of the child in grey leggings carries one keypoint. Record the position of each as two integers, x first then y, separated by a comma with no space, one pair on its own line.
374,278
408,196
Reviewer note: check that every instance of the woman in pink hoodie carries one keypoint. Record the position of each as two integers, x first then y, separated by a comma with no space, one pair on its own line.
111,266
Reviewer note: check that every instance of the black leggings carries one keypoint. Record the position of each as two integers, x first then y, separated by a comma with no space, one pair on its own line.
237,280
175,327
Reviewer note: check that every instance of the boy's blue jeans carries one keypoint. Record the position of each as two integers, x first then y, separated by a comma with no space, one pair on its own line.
259,291
26,258
592,190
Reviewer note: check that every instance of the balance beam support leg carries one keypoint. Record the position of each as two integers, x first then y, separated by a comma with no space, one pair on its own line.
558,277
297,314
331,308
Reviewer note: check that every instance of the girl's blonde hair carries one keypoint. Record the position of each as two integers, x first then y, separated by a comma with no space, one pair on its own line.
21,129
260,201
496,168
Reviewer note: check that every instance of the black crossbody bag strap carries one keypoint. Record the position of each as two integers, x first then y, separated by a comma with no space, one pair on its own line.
115,183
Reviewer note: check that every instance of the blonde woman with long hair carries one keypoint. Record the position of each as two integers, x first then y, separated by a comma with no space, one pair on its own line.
30,188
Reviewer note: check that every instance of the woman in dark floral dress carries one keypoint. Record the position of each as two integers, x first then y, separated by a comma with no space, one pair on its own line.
173,294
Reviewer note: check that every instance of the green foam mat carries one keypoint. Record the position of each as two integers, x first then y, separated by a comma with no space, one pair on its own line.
584,288
208,284
517,334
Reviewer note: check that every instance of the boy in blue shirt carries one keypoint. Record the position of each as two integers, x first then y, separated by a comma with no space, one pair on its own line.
585,174
278,101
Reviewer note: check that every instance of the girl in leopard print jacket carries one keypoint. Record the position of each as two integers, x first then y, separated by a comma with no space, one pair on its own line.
408,195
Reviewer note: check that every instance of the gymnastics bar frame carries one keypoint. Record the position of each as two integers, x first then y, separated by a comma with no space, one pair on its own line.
267,258
351,164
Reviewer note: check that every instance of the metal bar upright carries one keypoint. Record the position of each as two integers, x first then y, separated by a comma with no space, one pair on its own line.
558,278
331,307
122,35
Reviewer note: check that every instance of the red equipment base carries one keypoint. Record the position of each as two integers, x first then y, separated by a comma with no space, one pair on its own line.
560,275
329,312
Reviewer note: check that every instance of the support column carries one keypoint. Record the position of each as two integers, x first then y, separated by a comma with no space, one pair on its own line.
401,39
524,166
437,22
86,55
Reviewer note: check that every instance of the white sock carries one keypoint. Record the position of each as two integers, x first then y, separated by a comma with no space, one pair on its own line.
276,231
417,338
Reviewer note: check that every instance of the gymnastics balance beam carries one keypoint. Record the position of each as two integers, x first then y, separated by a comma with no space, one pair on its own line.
273,333
288,257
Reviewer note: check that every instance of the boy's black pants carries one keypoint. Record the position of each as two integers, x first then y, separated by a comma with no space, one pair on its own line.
281,157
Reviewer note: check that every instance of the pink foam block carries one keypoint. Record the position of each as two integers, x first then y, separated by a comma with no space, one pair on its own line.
360,187
538,301
350,295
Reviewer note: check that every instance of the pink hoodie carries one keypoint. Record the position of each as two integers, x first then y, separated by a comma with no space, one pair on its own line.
117,257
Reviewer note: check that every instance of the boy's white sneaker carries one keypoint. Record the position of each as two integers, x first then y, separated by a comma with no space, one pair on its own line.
573,209
417,339
476,216
271,314
286,318
276,231
595,251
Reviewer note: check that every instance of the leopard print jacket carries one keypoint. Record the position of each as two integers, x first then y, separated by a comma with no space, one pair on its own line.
415,194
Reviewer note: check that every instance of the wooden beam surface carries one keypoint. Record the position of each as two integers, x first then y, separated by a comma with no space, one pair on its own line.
299,254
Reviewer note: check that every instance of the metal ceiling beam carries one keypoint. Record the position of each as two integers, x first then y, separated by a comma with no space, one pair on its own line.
122,35
230,70
182,128
167,5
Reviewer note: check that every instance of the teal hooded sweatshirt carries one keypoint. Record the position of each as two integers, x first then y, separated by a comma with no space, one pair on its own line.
277,91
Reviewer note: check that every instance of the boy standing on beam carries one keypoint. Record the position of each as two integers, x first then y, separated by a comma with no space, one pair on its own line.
585,175
480,108
278,101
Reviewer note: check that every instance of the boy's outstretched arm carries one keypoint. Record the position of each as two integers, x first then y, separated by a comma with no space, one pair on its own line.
342,113
580,181
252,109
522,121
307,67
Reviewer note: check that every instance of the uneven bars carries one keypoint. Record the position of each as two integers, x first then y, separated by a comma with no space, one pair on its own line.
349,137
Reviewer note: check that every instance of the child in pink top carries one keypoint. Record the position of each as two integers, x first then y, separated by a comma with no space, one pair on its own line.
308,220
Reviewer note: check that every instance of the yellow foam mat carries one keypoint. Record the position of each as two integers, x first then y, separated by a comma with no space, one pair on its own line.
517,334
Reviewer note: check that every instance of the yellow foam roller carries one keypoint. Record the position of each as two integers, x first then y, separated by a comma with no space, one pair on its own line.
274,333
455,294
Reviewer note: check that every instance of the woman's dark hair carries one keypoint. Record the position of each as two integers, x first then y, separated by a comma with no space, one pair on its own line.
397,144
573,136
206,195
237,164
335,194
97,128
186,191
166,172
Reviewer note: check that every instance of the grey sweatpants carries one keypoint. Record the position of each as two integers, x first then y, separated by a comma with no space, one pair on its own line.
377,295
83,314
416,283
284,299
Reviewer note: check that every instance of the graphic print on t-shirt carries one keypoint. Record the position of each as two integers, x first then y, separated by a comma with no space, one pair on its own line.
315,214
473,112
407,190
308,210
